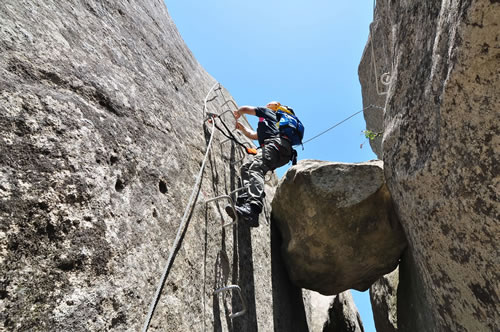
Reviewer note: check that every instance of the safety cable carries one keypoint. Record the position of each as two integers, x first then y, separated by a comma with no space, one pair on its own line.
180,231
194,195
338,123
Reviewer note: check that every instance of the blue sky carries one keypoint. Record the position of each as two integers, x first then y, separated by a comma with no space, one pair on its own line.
302,54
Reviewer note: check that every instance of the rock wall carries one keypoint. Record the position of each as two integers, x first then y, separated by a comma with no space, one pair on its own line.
318,314
343,315
374,73
383,298
101,138
336,313
441,155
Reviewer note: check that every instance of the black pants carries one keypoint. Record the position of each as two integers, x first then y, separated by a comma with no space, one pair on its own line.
275,153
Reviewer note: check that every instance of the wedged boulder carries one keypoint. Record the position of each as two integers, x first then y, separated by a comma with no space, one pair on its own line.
384,302
338,226
343,316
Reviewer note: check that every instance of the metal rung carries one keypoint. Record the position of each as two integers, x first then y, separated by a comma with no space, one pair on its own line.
219,115
239,189
226,111
247,144
237,161
230,199
238,289
232,206
230,101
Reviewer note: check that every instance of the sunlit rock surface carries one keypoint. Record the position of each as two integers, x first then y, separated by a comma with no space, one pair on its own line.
441,151
101,140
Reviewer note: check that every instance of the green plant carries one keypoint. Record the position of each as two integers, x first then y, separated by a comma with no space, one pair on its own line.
371,135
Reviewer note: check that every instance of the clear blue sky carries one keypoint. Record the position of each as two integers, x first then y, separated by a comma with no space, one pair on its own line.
302,54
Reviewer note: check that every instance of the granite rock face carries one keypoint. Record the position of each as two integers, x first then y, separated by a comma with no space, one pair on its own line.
337,313
383,298
340,232
375,73
101,140
318,311
343,315
441,151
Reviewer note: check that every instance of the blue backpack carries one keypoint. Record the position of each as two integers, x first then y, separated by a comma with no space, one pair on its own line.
289,125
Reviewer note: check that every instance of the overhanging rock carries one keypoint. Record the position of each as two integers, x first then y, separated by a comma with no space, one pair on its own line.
339,230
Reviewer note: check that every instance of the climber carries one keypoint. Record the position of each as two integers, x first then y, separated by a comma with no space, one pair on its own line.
276,151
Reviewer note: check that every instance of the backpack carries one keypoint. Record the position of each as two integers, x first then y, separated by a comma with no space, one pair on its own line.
289,125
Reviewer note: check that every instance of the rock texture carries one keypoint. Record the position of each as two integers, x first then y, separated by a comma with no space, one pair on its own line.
291,304
318,313
413,310
101,138
384,302
343,315
339,230
375,71
441,151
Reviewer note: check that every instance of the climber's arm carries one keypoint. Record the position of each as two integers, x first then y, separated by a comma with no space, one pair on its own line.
247,132
250,110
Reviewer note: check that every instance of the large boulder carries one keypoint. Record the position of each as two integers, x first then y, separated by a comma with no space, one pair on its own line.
441,151
339,229
384,302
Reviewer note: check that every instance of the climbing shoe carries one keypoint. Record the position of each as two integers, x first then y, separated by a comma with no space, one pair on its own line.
247,212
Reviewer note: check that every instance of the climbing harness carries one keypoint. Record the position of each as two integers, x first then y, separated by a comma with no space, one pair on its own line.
189,209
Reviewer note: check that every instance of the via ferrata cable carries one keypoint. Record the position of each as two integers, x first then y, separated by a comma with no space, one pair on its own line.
339,123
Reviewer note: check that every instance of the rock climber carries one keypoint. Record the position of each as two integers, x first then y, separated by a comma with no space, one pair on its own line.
276,151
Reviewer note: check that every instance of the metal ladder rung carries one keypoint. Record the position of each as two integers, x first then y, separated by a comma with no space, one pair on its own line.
230,101
231,201
232,206
215,115
247,144
238,290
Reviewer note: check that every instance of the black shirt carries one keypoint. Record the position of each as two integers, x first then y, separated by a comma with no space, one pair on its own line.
267,124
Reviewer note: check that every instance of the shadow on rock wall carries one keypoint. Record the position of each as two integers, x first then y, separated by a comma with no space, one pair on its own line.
288,305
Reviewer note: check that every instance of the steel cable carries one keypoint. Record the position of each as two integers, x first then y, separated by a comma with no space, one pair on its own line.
180,231
338,123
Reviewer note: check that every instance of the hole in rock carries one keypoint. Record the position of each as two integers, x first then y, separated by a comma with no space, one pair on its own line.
120,185
163,187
